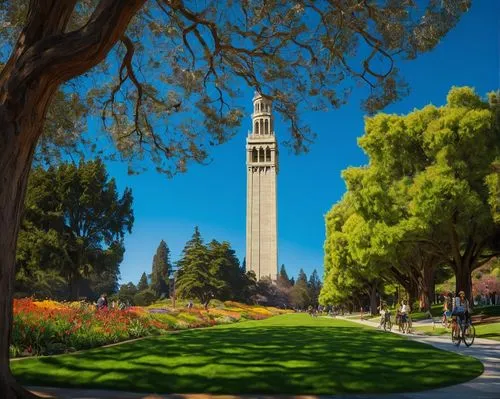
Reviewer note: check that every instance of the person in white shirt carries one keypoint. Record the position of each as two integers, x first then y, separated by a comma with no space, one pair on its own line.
404,310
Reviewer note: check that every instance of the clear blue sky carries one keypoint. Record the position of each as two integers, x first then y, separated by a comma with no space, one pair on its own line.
214,198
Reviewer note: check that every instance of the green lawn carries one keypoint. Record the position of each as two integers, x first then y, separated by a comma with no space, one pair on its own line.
287,354
490,311
490,331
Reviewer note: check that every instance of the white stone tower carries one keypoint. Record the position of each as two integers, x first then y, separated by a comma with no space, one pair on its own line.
262,168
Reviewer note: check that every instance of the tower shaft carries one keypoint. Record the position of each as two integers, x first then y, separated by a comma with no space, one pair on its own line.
262,169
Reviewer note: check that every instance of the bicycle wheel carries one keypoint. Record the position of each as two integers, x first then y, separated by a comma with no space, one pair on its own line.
469,334
455,336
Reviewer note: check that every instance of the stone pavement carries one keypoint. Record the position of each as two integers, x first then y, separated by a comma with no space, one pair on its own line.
486,386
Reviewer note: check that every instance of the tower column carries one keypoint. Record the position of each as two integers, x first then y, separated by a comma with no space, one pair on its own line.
262,168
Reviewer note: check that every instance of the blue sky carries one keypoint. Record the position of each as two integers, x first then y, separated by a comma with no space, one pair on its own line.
213,197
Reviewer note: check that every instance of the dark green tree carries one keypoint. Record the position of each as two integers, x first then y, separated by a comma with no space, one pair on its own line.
74,223
143,282
126,293
299,293
224,260
145,297
314,288
198,275
283,280
160,273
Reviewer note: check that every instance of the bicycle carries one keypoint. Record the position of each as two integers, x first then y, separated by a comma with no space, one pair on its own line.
446,320
463,331
387,323
404,324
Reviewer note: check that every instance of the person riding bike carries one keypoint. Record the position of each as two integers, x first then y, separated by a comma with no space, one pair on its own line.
461,310
404,310
385,314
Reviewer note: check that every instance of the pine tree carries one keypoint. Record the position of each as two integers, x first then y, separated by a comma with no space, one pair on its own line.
226,267
143,283
299,295
161,270
199,271
283,280
314,288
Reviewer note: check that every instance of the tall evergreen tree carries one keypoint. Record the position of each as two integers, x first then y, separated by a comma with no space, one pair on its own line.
161,270
283,280
199,275
227,267
143,282
314,288
299,295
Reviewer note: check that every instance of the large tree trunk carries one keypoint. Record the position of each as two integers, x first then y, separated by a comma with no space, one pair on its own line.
44,57
373,299
16,151
427,286
463,281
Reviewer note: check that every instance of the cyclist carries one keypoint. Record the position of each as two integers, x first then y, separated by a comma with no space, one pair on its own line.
447,311
384,314
403,311
461,310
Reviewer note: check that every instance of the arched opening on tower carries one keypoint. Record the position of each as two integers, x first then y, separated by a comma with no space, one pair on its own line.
268,154
267,127
254,155
261,155
261,126
256,127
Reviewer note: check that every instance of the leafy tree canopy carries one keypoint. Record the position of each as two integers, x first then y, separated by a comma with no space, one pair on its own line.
292,51
74,223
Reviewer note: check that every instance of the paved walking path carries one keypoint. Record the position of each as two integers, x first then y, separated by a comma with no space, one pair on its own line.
486,386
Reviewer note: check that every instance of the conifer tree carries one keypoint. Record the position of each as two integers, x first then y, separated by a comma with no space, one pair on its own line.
198,274
283,280
143,282
299,295
161,270
314,288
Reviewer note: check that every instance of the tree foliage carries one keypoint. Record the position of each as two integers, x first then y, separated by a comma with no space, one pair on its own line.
160,273
74,225
199,273
422,201
143,282
300,53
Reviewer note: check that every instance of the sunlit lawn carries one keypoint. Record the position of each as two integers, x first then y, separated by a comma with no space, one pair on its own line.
287,354
489,331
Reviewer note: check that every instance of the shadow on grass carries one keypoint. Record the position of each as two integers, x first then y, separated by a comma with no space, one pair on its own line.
493,335
323,357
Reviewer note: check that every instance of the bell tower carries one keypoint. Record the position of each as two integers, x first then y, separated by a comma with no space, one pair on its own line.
262,168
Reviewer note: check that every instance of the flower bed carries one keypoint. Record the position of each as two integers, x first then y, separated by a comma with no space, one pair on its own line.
50,327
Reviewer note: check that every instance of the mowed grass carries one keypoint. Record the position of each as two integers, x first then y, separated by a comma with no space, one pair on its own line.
489,331
287,354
